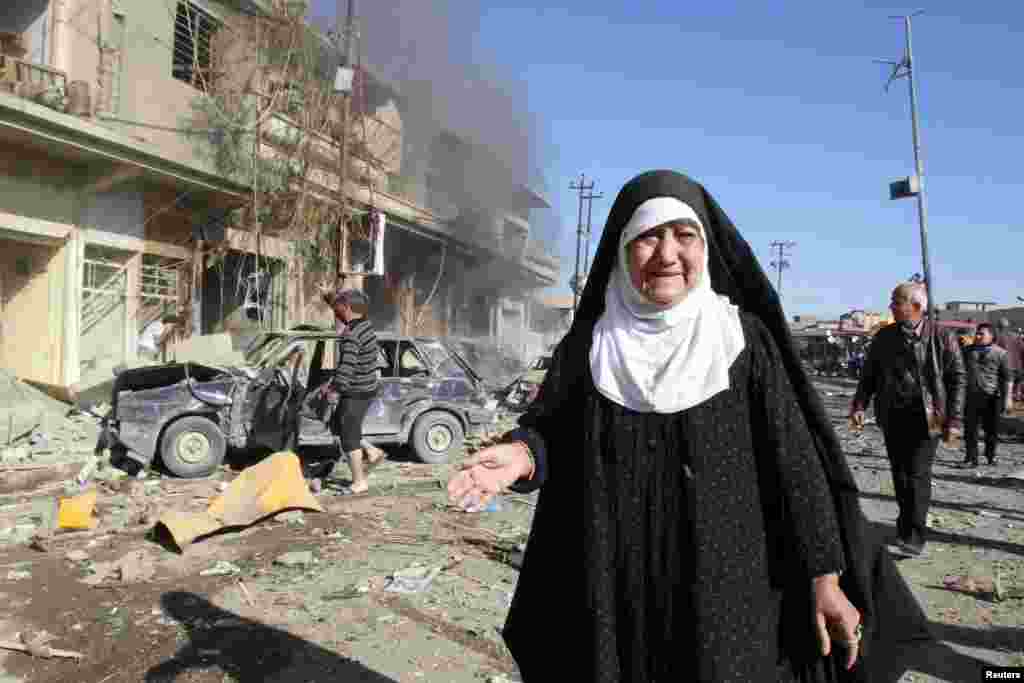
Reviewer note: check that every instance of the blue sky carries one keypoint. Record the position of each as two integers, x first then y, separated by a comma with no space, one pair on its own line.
778,109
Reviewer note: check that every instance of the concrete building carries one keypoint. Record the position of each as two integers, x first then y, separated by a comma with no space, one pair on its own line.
109,219
97,215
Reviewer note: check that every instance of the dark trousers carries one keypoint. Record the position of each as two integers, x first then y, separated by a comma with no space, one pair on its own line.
347,422
984,409
911,452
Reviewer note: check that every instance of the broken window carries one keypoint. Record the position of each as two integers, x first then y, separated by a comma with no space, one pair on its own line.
194,28
410,364
235,297
387,364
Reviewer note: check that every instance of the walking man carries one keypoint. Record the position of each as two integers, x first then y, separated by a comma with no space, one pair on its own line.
353,386
989,393
915,374
1007,338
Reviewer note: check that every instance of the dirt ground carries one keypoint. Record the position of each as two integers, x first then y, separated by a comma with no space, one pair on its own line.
309,596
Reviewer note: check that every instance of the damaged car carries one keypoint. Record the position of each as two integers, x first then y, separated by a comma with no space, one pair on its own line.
523,391
188,414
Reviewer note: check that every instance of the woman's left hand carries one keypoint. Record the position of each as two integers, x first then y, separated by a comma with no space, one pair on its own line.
836,619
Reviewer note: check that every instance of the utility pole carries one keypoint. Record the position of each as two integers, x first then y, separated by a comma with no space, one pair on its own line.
580,187
780,263
901,69
345,33
590,197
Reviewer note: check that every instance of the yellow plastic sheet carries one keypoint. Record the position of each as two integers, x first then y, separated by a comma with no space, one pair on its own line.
76,512
273,485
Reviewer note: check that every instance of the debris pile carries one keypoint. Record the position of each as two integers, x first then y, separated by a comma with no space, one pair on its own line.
37,428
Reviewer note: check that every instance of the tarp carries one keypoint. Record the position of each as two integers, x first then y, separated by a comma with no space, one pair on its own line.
273,485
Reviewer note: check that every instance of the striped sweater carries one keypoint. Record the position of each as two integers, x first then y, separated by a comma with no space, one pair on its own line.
356,374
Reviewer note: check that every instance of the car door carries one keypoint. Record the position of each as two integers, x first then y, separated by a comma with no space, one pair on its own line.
384,415
265,409
310,424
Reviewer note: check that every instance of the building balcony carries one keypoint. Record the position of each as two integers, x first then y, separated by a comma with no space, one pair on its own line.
35,82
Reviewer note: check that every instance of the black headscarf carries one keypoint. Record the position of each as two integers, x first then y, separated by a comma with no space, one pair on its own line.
736,274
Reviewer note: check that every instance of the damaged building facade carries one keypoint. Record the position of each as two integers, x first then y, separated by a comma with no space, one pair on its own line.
110,221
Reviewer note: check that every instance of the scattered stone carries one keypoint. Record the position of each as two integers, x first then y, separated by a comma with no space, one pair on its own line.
77,556
111,474
411,580
293,517
221,568
40,541
39,440
149,514
297,558
18,575
14,454
22,533
136,567
88,470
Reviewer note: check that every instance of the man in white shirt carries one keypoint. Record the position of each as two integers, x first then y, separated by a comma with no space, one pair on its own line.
149,338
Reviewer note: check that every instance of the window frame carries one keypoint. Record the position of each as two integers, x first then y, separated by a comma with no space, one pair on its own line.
195,72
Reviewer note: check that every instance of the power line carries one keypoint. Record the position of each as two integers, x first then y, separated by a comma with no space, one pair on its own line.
590,197
580,187
780,263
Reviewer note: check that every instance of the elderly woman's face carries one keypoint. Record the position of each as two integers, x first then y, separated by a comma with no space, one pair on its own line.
667,262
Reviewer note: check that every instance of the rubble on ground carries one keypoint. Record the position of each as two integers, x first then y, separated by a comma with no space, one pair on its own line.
37,429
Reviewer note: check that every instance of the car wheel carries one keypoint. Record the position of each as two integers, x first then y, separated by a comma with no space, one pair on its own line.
436,436
193,447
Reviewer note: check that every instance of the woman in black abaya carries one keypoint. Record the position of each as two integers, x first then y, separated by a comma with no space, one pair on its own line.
678,439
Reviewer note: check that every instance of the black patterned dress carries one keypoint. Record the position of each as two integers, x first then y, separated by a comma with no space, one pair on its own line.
701,532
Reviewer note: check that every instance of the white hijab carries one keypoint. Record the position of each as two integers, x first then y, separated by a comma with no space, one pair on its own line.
650,358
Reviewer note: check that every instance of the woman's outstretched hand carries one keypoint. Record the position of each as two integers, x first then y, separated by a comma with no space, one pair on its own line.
837,621
488,473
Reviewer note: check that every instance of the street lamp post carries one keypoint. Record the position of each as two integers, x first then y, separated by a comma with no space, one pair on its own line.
915,186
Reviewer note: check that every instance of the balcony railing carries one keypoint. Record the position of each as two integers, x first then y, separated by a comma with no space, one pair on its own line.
22,77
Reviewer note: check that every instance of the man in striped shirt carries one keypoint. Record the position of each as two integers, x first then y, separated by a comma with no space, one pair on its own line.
354,385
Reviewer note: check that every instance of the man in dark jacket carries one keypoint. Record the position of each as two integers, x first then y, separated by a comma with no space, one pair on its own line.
915,373
1007,338
989,393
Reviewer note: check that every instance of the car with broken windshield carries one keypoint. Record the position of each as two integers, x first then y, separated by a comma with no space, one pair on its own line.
189,414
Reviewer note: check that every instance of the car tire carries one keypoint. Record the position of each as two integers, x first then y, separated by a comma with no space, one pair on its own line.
193,447
436,436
